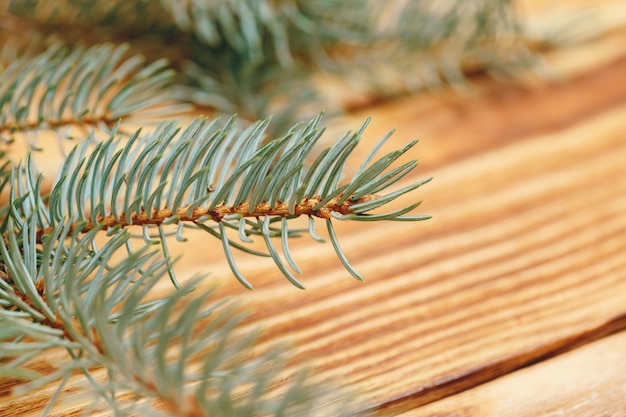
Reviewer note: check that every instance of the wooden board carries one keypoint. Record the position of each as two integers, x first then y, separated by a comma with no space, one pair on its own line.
590,381
523,260
524,255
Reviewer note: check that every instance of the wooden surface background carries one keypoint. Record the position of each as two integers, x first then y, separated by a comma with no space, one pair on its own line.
511,300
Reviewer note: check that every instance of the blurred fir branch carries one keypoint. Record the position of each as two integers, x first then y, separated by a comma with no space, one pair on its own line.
246,56
175,356
95,87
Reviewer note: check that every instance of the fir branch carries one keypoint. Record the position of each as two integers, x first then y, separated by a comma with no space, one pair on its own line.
253,90
418,45
257,58
274,48
268,52
178,355
92,87
129,17
278,28
213,178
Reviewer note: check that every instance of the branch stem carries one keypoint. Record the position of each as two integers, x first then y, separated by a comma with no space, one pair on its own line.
307,207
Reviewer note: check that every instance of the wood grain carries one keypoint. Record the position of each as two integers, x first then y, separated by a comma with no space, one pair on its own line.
524,253
523,259
587,382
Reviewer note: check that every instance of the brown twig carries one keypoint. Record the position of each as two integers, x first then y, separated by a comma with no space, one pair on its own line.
305,208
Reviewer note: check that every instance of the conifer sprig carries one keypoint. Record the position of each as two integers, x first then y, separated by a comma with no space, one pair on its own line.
282,29
251,56
174,356
215,178
90,88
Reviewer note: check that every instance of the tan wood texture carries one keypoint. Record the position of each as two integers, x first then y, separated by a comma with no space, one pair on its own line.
587,382
523,262
523,259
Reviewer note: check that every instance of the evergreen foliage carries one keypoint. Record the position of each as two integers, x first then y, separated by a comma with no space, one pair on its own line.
237,179
256,58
